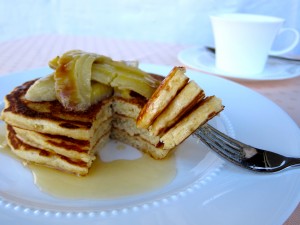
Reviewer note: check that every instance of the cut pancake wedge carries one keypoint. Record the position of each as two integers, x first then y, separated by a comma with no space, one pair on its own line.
176,109
190,95
204,111
162,96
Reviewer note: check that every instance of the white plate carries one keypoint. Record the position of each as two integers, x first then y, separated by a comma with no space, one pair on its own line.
212,195
202,59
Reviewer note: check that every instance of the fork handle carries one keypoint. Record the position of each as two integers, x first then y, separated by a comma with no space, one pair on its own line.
293,162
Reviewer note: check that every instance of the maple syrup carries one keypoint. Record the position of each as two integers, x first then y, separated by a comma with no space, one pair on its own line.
105,180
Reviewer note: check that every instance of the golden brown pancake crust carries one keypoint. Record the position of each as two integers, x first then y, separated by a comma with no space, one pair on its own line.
176,109
162,96
53,110
18,145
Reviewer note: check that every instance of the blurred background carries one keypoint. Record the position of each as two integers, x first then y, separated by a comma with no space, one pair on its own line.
169,21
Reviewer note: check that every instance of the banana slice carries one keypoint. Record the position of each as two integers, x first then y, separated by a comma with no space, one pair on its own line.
42,90
100,92
53,63
73,80
123,76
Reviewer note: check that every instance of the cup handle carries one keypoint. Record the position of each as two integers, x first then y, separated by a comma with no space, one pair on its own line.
291,46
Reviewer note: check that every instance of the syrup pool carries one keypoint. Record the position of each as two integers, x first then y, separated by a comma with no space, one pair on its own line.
107,179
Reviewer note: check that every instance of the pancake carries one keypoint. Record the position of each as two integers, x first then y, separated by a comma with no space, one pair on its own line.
138,142
46,133
69,147
51,117
51,159
177,109
190,95
162,96
202,112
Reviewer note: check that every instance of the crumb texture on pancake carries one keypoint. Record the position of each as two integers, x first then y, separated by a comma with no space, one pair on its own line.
139,143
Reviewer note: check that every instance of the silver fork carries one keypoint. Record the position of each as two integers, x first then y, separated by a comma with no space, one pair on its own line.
243,155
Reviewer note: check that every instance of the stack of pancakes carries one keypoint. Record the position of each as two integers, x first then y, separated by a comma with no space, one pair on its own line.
46,133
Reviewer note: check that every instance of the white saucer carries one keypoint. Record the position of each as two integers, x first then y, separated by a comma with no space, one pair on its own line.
202,59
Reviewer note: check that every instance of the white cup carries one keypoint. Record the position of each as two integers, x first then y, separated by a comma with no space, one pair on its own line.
243,41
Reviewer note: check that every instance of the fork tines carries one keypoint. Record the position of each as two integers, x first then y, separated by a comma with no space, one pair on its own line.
217,141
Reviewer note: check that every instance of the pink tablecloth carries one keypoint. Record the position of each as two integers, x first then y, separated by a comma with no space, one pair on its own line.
34,52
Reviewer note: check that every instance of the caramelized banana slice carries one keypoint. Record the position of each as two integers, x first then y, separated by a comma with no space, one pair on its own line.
138,85
124,93
100,92
42,90
118,74
103,73
53,63
73,80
